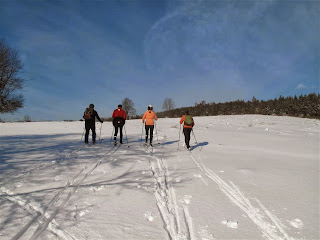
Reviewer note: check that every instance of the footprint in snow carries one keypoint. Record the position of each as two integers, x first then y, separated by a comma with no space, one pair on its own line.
81,212
178,179
187,199
6,190
18,185
230,224
297,223
57,178
96,189
149,217
84,212
205,234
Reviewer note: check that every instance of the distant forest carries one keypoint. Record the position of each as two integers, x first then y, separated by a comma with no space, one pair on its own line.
302,106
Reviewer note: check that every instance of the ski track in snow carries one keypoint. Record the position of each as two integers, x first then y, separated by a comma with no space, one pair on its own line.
175,215
39,218
43,218
42,165
265,221
168,207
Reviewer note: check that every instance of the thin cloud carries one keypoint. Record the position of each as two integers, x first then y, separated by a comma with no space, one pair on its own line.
301,86
79,52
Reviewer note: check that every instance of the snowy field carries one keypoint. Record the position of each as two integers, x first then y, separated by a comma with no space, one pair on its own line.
249,177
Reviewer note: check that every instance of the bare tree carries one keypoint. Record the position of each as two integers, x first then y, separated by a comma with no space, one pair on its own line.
128,107
26,118
10,81
168,104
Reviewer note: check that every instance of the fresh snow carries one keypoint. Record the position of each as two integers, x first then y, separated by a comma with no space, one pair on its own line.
246,177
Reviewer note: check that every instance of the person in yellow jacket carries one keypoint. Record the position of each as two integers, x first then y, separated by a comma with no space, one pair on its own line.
148,119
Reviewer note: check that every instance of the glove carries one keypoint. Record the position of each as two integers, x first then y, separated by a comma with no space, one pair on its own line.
101,121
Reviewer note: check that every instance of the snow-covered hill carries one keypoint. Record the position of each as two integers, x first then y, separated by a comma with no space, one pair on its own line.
247,177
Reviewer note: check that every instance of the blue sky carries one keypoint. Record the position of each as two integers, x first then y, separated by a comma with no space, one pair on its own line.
81,52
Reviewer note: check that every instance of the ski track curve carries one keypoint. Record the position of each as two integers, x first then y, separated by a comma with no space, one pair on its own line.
260,216
75,183
39,217
176,226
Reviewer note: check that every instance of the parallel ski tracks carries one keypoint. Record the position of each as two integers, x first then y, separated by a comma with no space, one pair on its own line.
55,229
264,220
177,227
44,218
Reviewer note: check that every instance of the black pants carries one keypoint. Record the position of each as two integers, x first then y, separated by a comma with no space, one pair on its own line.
149,127
118,123
187,133
93,129
116,129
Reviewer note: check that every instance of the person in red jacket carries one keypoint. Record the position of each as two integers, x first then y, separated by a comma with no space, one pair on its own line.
148,118
119,119
187,127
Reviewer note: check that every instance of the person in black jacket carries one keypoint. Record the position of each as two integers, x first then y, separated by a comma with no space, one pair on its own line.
90,116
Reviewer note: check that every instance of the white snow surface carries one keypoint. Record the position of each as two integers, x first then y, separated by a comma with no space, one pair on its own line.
246,177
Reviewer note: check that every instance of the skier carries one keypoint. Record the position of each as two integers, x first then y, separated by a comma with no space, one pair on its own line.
148,118
187,127
119,119
90,116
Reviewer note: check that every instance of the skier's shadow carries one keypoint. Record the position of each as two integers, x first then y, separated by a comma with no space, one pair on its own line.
200,145
168,143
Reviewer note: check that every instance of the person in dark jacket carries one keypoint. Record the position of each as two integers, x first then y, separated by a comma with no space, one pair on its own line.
119,119
90,116
187,127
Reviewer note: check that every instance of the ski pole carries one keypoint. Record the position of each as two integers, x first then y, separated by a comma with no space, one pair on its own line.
156,132
82,134
195,139
141,134
100,140
179,136
111,134
126,134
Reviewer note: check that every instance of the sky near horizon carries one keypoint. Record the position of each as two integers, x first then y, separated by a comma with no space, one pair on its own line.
81,52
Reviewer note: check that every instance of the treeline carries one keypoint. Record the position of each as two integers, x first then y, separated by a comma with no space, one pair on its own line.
302,106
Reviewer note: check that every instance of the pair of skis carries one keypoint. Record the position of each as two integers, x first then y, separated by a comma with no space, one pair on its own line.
115,143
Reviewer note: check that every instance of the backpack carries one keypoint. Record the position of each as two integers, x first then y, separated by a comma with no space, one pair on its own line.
87,114
188,120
